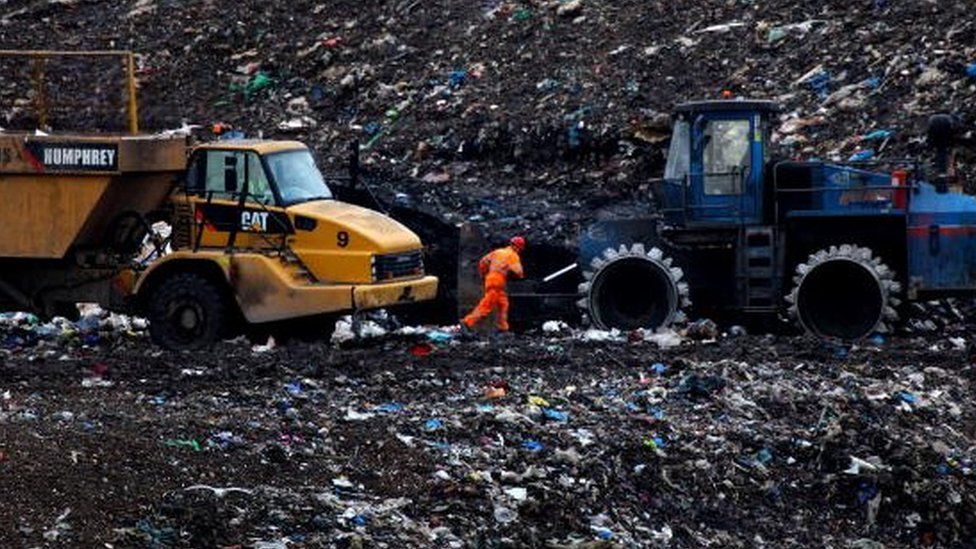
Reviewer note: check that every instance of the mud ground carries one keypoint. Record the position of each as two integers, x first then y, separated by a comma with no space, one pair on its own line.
752,441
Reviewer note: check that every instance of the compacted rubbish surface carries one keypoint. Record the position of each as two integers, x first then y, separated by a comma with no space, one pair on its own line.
541,440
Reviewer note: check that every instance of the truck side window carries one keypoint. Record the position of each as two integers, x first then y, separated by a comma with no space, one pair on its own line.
727,159
219,163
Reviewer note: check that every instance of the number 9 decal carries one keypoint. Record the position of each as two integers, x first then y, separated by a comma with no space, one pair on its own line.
342,239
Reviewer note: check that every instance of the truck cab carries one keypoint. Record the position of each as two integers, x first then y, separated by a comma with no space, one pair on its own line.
257,222
269,195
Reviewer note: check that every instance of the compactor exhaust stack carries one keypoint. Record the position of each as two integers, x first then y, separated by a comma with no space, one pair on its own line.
942,132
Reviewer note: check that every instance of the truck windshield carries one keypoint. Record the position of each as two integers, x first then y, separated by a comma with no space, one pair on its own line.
297,177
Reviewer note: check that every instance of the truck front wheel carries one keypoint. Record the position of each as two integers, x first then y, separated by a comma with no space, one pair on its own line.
186,312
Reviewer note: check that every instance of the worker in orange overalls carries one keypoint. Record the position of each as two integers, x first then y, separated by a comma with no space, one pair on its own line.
495,268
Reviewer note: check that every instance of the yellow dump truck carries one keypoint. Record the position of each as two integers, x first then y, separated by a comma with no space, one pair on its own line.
257,238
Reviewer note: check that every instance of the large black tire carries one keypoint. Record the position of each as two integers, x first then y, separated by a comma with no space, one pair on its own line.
630,287
187,312
844,293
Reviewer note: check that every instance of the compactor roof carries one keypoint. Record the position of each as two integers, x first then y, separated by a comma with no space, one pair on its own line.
761,105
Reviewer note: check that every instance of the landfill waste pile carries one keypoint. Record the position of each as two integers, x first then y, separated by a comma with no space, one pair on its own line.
95,327
562,439
535,114
530,117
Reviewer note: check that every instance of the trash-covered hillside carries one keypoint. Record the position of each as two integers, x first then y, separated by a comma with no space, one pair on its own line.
565,103
529,117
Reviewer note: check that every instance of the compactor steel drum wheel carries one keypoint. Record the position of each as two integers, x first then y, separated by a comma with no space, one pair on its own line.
844,293
631,287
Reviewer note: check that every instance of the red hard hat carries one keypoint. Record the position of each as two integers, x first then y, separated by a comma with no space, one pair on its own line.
518,242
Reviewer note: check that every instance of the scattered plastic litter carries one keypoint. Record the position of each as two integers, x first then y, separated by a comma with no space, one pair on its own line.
775,417
562,119
421,350
532,445
95,327
440,337
555,415
877,135
388,408
554,326
184,443
862,156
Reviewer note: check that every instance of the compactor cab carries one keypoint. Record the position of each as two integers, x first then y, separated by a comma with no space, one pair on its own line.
716,164
836,246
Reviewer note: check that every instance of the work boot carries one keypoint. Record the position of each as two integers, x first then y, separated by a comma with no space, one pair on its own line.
502,336
465,333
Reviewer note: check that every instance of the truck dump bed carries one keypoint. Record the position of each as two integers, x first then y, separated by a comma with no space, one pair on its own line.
65,191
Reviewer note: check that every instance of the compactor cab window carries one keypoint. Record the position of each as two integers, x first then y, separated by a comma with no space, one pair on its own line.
726,156
224,175
679,155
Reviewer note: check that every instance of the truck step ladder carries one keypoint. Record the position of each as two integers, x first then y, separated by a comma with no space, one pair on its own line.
299,271
756,268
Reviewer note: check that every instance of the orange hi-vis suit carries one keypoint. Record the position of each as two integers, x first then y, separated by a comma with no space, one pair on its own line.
496,268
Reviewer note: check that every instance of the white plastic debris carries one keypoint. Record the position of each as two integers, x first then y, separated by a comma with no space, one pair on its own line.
267,347
724,27
664,535
219,492
298,123
554,326
664,338
859,466
96,382
601,335
346,330
504,515
517,493
353,415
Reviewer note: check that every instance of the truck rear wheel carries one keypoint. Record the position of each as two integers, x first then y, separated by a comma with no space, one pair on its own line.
186,312
844,293
630,288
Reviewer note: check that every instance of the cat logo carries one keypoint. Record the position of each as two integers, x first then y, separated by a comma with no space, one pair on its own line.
256,222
